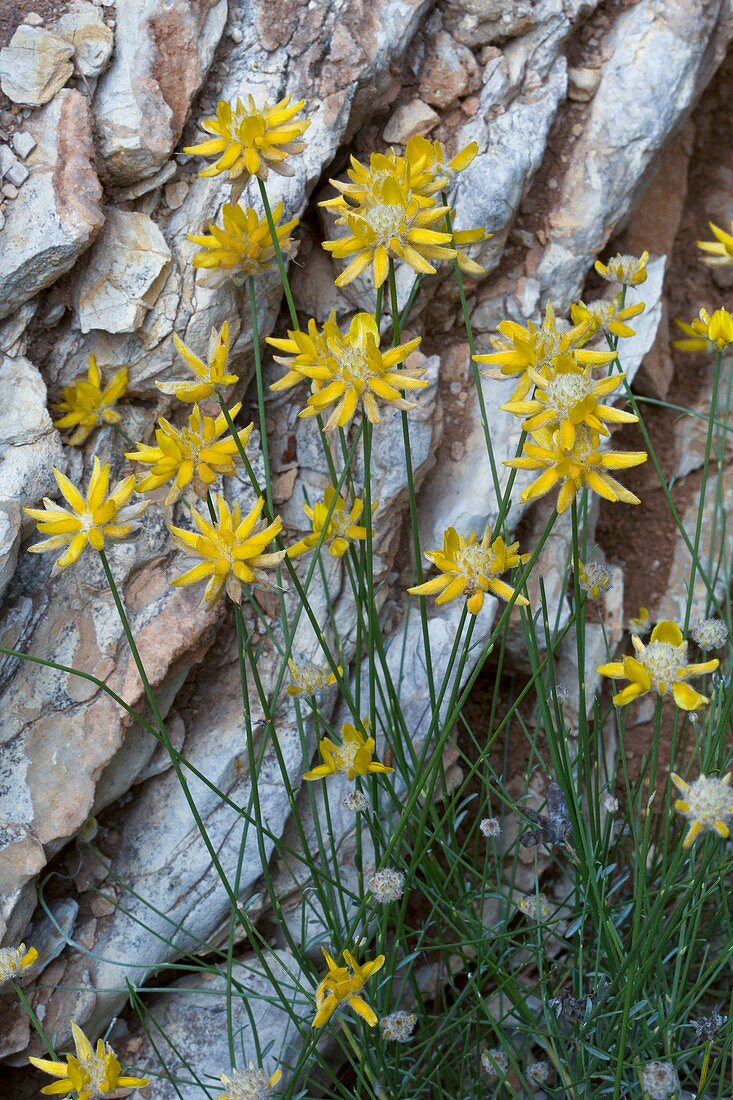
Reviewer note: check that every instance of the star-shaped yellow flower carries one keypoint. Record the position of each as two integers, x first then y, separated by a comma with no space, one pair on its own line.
338,532
212,376
707,332
242,246
348,369
659,666
86,406
572,468
354,756
718,253
471,568
566,395
91,520
249,141
90,1074
344,983
623,269
606,317
195,455
231,550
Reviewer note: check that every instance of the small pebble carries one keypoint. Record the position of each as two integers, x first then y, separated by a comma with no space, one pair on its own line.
235,34
17,174
33,19
10,191
23,143
175,194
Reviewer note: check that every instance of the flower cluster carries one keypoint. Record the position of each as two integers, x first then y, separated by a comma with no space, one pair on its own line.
354,756
248,1084
14,960
91,1073
661,666
334,525
241,247
467,567
389,210
398,1026
594,579
559,399
347,370
707,802
85,405
344,984
387,885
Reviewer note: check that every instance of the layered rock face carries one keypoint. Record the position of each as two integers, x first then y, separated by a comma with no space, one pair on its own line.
590,120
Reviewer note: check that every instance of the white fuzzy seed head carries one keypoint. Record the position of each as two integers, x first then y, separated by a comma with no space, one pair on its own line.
709,633
539,1072
490,827
398,1026
660,1080
355,801
495,1062
387,885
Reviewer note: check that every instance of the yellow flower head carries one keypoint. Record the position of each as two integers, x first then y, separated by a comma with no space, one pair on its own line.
707,802
583,464
242,247
195,455
310,678
430,170
90,520
231,550
248,1084
471,568
354,756
249,142
92,1073
660,666
606,317
594,579
344,983
338,531
566,395
707,332
14,960
626,270
390,221
641,625
86,406
212,376
520,347
347,369
719,253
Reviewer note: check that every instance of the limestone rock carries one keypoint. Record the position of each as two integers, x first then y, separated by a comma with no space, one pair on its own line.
35,66
58,213
482,21
410,119
83,27
163,50
124,275
448,71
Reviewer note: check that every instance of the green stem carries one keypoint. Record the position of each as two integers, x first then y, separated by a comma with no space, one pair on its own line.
260,389
39,1028
278,255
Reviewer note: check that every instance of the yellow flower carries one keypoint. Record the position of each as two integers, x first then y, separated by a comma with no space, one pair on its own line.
248,1084
86,405
471,568
707,332
627,270
720,251
537,346
344,983
347,369
391,221
250,142
338,531
584,464
189,455
565,397
310,678
212,376
641,624
430,167
707,802
659,666
14,960
606,317
242,247
232,550
90,1074
92,519
594,579
354,755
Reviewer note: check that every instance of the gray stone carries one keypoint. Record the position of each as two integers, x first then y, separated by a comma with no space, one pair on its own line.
35,65
23,143
58,213
83,27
